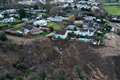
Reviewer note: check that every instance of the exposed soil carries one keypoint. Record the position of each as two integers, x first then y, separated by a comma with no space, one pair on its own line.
41,55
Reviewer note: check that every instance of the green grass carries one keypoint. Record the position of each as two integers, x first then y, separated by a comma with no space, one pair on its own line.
112,10
4,26
17,26
55,26
44,33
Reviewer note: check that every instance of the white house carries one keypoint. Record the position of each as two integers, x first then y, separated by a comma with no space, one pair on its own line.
1,16
30,2
9,20
64,34
40,23
63,1
56,18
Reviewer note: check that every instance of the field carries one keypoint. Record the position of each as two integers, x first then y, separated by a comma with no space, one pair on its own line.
112,10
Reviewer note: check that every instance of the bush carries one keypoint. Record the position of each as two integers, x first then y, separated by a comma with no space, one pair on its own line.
61,75
22,13
42,76
80,72
19,78
118,32
36,7
3,36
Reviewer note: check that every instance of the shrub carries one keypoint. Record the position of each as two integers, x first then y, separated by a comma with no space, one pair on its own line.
19,78
42,76
61,76
36,7
80,72
22,13
3,36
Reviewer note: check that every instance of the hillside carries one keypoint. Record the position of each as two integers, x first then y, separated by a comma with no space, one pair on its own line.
41,59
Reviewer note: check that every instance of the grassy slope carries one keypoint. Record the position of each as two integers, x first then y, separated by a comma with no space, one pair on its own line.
113,10
54,25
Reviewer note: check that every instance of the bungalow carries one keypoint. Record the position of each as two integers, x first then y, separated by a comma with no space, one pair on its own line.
115,18
63,1
9,11
9,20
27,2
61,35
83,34
89,18
41,23
71,27
1,16
87,32
56,19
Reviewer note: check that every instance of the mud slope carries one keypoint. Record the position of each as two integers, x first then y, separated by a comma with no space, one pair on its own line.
29,60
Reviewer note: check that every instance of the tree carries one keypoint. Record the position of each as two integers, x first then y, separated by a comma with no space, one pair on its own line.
54,11
80,72
117,1
3,36
36,7
61,75
48,6
22,13
51,29
42,76
6,15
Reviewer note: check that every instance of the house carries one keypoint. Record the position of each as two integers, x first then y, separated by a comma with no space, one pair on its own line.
30,2
36,31
14,15
27,2
16,33
33,30
115,18
56,19
41,23
61,34
62,1
1,16
9,20
89,18
9,11
87,32
83,34
72,27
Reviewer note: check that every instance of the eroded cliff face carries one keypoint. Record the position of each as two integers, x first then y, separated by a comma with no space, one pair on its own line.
43,56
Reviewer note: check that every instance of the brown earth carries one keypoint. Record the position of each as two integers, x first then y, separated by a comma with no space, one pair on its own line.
53,57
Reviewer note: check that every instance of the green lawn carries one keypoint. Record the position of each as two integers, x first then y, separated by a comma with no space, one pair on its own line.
3,26
112,10
55,26
17,26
